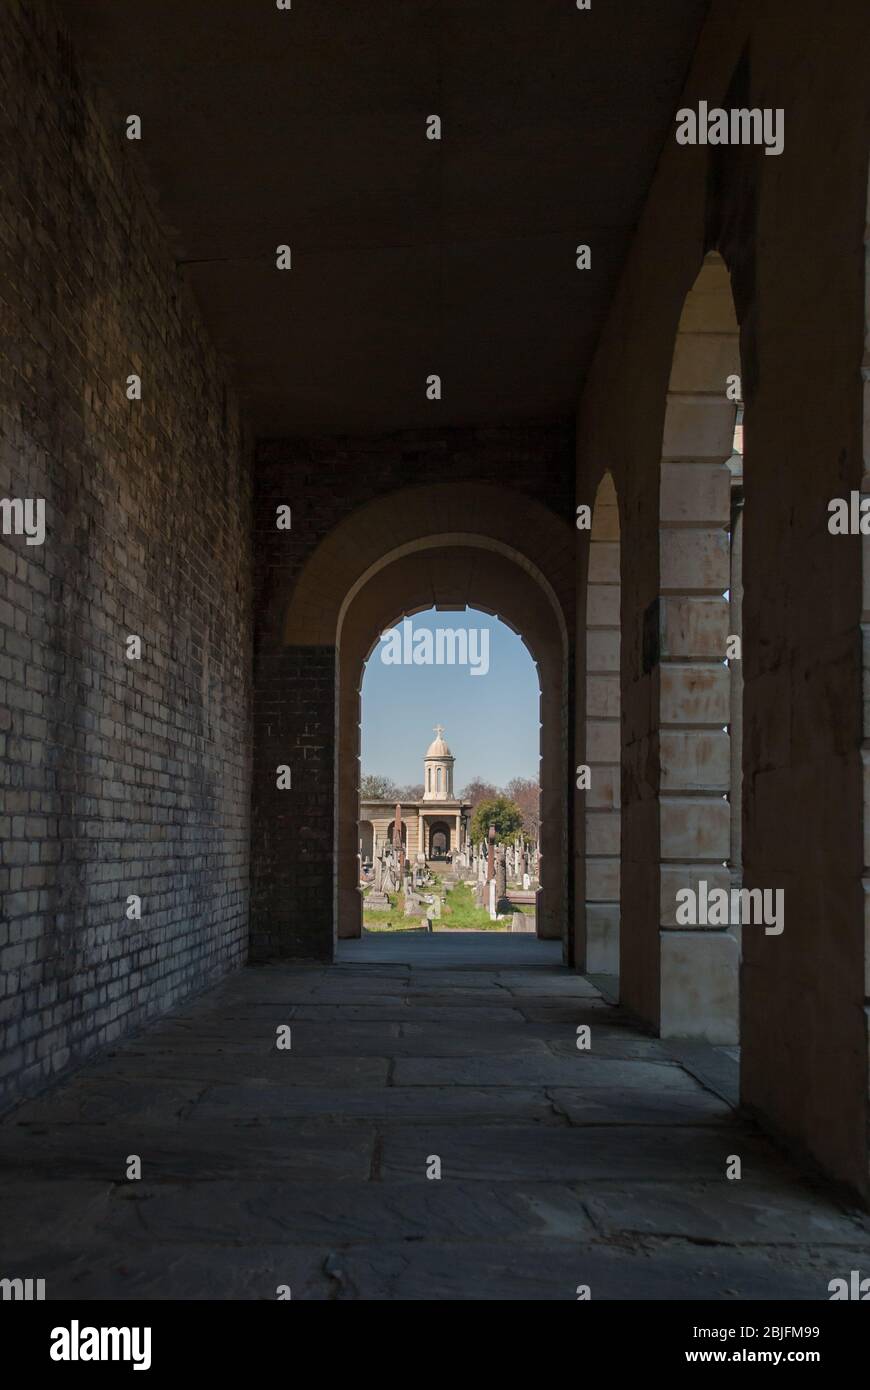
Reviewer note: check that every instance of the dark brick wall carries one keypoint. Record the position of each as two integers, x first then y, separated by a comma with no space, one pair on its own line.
120,777
327,478
323,480
293,878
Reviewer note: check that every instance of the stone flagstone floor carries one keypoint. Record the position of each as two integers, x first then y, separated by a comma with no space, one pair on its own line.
307,1167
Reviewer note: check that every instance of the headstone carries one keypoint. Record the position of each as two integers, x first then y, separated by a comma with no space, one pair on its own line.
501,874
519,922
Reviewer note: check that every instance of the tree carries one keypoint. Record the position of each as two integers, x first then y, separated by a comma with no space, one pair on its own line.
414,792
375,787
505,815
526,793
477,791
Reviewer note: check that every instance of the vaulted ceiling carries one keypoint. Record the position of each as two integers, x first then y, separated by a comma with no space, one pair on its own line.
307,127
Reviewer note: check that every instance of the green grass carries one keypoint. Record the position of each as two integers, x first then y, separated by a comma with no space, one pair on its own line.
394,920
460,910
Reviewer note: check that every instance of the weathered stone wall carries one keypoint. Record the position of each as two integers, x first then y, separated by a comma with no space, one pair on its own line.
120,777
793,264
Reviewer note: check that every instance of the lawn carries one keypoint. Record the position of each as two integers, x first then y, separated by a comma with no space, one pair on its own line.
459,913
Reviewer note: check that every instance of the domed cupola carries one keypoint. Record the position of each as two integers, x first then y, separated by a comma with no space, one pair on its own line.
438,769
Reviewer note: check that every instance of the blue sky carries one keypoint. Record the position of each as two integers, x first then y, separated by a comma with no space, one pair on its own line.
490,721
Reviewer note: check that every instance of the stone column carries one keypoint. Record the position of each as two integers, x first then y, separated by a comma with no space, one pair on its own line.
603,747
698,965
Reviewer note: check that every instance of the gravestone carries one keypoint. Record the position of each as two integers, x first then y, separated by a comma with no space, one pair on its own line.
501,874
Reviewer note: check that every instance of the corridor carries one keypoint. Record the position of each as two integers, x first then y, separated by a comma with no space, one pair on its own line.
305,1168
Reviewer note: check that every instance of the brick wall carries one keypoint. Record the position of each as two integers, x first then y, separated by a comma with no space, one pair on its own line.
323,481
292,881
120,777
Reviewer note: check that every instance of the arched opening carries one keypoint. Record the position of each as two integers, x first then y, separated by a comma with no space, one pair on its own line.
603,735
366,841
687,640
439,840
504,721
391,831
345,596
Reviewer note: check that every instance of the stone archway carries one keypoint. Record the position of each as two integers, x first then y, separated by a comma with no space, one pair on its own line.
494,583
367,840
439,840
404,832
479,546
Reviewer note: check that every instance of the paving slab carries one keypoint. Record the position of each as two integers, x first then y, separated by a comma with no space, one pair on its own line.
174,1065
652,1154
543,1070
446,1272
404,1011
730,1214
639,1107
212,1272
312,1149
340,1214
87,1100
274,1101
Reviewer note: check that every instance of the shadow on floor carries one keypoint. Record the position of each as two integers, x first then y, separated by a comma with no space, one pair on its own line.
310,1166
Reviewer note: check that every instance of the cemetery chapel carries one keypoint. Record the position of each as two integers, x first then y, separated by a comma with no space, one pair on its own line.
434,827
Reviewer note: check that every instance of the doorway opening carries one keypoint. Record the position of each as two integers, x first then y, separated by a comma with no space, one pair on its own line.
470,858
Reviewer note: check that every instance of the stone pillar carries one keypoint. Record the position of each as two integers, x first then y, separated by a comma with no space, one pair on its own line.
698,985
736,669
603,750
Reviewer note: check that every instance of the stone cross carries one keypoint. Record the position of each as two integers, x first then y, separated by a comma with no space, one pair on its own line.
490,857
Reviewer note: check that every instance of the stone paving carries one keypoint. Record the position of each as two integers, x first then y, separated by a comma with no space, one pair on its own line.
307,1167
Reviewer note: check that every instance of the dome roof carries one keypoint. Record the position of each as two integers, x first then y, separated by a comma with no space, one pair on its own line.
438,748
